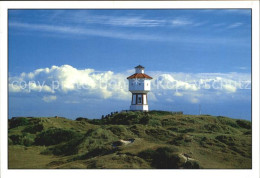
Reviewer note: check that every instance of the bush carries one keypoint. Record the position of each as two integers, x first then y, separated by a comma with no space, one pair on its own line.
28,141
159,133
55,136
128,118
82,119
228,140
16,139
33,128
181,139
154,122
227,121
147,154
244,124
187,130
69,148
25,139
162,158
161,113
117,130
18,121
213,128
191,165
99,151
10,142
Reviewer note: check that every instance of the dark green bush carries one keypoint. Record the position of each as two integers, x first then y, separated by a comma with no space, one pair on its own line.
117,130
28,141
128,118
18,121
147,154
82,119
154,122
227,121
228,140
33,128
10,142
191,165
187,130
159,133
69,148
181,139
174,129
16,139
55,136
213,128
99,151
244,124
161,113
25,139
162,158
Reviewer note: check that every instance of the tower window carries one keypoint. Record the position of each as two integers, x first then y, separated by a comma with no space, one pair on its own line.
139,99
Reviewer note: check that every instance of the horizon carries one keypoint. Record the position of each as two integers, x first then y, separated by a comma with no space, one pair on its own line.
196,58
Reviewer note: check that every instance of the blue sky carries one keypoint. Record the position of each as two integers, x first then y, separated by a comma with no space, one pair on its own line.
180,49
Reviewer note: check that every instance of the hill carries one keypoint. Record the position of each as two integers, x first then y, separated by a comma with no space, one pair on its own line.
157,139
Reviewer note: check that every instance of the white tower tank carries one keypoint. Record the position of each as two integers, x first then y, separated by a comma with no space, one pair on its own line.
139,86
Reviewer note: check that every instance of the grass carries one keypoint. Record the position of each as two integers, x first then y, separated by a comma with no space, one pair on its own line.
161,140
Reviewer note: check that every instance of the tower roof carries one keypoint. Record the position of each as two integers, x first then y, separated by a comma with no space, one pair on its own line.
139,75
139,66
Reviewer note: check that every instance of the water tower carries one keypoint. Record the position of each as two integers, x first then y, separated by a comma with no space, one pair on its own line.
139,86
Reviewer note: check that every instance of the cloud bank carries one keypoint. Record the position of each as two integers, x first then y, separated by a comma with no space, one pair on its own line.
86,84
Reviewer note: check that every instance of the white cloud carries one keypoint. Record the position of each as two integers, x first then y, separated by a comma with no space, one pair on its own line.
49,98
235,25
178,94
66,79
229,88
194,100
86,84
181,22
128,21
126,35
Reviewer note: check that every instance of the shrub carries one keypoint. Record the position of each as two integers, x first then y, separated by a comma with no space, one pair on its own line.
28,141
82,119
16,139
162,158
25,139
55,136
213,128
33,128
228,140
191,165
161,113
187,130
69,148
227,121
117,130
147,154
18,121
181,139
159,133
154,122
99,151
10,142
244,124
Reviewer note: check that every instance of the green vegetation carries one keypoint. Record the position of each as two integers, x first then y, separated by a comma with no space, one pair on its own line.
157,139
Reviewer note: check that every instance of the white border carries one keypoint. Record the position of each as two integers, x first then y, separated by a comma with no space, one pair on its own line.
127,5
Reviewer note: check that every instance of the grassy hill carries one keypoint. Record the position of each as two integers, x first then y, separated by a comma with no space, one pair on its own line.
157,139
